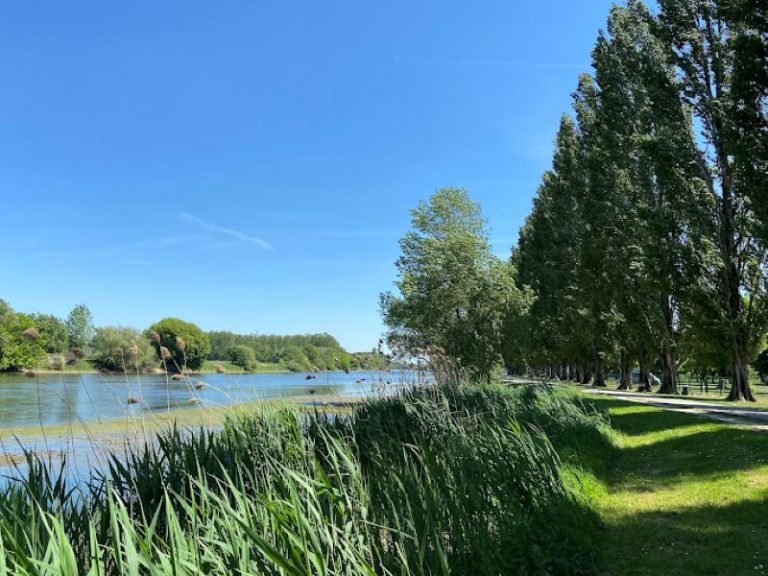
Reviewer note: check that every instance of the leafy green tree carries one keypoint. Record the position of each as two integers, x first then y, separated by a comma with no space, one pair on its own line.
179,344
712,45
21,344
657,196
453,291
547,260
294,359
80,327
55,333
601,256
222,341
316,350
123,349
241,355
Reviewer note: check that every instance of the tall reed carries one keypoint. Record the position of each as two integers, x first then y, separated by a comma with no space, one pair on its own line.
446,479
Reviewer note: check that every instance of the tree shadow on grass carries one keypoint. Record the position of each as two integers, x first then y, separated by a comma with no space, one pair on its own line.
638,419
673,539
701,456
711,539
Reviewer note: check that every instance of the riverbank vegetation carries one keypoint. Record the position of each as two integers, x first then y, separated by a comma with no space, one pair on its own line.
450,479
647,243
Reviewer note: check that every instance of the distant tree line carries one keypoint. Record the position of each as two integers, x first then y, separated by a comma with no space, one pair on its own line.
647,242
173,345
299,353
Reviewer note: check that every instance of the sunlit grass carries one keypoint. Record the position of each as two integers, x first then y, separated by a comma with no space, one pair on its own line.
685,495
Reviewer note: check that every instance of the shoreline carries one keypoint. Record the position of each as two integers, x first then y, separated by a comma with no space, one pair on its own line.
121,431
49,372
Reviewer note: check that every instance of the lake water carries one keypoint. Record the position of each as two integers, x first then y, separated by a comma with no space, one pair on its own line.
51,399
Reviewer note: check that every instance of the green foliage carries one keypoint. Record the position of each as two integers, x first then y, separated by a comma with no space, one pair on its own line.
453,292
294,358
122,349
242,356
298,353
55,333
647,236
188,345
21,344
80,327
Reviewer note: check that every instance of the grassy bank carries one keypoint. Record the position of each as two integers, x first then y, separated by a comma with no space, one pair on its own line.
210,366
683,495
441,480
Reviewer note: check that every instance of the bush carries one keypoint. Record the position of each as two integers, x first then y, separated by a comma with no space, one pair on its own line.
21,344
294,359
122,349
242,356
188,346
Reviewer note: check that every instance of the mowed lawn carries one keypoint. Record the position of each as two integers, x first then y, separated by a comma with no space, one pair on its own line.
684,496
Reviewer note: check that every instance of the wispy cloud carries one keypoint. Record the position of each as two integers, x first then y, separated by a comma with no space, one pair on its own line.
236,234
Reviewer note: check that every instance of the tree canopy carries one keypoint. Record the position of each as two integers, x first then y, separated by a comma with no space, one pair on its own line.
180,345
453,292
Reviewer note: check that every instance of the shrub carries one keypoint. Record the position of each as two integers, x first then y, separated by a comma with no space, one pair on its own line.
187,343
241,355
118,349
21,345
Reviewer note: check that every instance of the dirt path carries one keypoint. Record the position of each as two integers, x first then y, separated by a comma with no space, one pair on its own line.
754,418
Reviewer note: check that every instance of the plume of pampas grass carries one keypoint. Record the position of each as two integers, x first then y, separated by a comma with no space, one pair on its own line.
31,334
165,354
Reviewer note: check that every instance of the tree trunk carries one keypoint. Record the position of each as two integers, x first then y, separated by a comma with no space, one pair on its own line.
645,368
625,382
669,379
599,375
740,388
586,376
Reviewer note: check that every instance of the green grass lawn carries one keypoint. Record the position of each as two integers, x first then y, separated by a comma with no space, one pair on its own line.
684,496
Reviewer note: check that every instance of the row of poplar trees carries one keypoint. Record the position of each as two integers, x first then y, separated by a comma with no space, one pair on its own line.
647,240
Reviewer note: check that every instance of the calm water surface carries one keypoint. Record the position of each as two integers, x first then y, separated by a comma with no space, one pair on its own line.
51,399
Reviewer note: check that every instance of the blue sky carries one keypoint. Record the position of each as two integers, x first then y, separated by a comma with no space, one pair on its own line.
248,165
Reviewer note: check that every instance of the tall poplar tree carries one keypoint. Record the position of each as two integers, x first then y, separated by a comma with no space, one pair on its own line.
704,38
